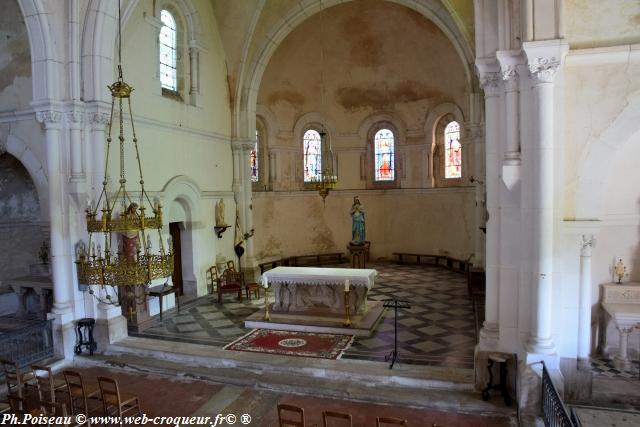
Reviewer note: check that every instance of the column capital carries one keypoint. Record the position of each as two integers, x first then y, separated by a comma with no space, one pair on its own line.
74,118
242,144
489,76
50,118
587,242
509,61
196,45
153,21
97,120
544,58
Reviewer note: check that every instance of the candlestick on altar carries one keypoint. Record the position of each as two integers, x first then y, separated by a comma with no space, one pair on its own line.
347,318
265,285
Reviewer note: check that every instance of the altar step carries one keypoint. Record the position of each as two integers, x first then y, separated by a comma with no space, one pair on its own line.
439,388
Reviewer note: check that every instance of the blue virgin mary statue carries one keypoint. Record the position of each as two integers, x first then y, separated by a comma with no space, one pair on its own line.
357,223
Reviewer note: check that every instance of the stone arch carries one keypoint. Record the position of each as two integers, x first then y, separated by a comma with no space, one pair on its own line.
46,66
252,75
21,151
366,133
598,157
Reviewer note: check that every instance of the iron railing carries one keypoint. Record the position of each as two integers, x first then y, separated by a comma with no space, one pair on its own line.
28,344
554,413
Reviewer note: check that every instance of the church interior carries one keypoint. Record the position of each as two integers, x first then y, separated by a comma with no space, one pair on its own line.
331,212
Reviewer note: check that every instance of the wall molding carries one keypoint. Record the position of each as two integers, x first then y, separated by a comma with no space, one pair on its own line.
363,192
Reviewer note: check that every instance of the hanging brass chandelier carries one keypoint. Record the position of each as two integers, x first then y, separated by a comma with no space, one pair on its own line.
126,260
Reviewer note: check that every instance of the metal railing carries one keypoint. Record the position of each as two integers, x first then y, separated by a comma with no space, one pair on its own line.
28,344
554,413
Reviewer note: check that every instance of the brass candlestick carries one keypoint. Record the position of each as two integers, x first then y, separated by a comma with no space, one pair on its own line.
266,304
347,318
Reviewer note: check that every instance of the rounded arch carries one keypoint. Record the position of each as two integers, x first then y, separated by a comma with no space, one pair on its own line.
598,159
374,122
184,190
313,120
252,75
45,57
21,151
433,128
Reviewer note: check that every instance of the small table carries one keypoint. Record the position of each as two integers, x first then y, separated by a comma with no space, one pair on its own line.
162,291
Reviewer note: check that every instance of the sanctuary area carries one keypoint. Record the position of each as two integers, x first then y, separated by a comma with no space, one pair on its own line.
329,212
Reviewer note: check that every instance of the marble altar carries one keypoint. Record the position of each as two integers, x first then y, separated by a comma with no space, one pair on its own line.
319,290
620,308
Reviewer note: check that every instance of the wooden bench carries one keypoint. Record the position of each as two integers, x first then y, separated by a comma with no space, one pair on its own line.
434,258
316,259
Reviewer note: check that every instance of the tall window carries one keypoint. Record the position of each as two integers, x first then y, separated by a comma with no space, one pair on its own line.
168,51
312,155
253,159
383,152
452,151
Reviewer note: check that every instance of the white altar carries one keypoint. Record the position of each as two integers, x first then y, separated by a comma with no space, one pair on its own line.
309,289
619,315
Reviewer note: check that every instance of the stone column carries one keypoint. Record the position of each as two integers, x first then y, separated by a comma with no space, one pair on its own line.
544,59
243,194
511,161
194,68
584,314
476,138
621,360
490,82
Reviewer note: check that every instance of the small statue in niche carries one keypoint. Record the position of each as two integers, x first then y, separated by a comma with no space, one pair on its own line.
220,214
619,271
358,235
43,253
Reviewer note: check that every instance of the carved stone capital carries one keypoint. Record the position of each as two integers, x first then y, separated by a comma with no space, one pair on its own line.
74,117
544,69
49,117
98,120
587,242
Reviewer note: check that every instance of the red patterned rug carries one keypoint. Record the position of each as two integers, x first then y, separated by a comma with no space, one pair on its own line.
290,343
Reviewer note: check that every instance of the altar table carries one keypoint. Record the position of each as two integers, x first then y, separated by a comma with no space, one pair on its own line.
620,306
319,290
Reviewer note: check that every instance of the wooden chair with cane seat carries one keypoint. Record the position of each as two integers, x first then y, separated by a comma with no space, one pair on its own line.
213,279
17,379
231,283
296,413
341,419
386,421
79,393
116,403
47,384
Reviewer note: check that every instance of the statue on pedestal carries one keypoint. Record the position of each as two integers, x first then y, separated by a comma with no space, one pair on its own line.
220,214
358,235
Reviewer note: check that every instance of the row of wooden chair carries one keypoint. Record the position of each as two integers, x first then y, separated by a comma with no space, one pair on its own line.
293,416
114,403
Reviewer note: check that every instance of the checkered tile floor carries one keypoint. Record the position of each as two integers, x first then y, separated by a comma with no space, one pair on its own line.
438,329
605,368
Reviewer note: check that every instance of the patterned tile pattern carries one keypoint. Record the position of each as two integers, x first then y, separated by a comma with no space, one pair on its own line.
438,329
605,368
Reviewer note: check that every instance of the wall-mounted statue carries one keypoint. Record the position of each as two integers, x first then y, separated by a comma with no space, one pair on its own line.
358,235
220,214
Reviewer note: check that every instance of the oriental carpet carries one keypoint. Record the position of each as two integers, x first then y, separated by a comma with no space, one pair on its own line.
291,343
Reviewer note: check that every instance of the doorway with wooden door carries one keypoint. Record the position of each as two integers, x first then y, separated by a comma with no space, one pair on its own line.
176,277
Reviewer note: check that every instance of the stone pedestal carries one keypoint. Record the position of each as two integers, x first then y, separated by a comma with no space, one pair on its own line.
300,298
359,255
135,308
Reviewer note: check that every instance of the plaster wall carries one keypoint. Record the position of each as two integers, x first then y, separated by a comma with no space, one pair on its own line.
15,60
418,221
597,23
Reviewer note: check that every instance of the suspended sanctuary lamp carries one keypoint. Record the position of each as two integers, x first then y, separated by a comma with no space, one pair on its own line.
120,253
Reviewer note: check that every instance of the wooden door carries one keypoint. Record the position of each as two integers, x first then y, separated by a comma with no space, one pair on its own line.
174,230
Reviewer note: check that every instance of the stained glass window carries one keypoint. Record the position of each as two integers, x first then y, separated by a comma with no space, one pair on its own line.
452,151
384,150
168,47
253,160
312,155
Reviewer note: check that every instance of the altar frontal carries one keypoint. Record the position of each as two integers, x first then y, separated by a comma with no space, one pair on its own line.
305,289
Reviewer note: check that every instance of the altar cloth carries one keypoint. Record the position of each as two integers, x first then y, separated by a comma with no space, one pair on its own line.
322,276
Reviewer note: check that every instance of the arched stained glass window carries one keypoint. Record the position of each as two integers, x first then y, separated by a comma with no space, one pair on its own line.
168,51
452,151
384,152
253,159
312,155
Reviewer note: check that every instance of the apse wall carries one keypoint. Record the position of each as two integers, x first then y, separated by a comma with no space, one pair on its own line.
351,69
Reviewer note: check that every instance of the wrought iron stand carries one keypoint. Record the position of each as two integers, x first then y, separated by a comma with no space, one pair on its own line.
396,304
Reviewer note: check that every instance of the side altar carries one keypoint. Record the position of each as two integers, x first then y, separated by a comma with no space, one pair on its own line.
301,289
313,300
619,317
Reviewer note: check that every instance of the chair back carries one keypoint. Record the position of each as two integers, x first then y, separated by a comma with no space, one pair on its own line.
18,404
110,394
340,419
294,418
231,265
232,279
212,277
14,377
77,393
44,382
384,421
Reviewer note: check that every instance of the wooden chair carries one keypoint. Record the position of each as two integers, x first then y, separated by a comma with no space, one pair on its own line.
382,421
212,278
18,404
47,384
252,288
116,403
231,282
79,392
295,412
16,378
341,417
231,265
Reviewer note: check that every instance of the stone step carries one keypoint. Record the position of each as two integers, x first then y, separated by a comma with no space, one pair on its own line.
440,388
